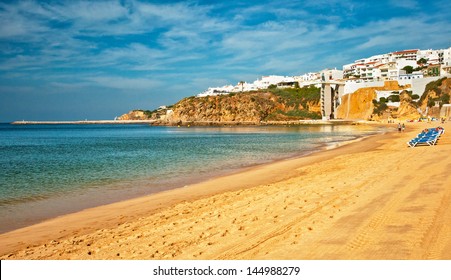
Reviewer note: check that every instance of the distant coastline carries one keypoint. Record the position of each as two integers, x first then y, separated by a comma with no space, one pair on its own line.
195,123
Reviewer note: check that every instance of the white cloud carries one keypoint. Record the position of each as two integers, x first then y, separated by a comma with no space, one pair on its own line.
123,83
15,20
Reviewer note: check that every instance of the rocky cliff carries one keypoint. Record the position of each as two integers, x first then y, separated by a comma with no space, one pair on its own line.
435,95
135,115
222,108
271,105
245,107
359,105
407,109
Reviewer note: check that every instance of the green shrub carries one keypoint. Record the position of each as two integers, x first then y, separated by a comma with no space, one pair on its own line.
393,98
433,86
431,103
294,97
379,107
444,99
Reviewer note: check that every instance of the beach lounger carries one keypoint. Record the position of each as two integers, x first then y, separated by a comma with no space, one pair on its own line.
428,137
423,141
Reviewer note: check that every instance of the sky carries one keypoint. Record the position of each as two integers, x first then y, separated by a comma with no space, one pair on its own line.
76,60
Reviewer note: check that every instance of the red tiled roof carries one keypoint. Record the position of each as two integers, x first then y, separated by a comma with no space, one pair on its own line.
406,51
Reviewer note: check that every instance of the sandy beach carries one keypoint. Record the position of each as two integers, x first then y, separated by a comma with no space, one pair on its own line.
372,199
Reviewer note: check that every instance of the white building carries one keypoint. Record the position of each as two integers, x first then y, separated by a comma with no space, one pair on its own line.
213,91
446,62
263,83
432,56
332,89
388,66
331,75
414,75
308,79
371,71
406,54
266,81
244,86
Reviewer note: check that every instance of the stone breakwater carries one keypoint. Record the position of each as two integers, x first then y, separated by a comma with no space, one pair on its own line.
87,122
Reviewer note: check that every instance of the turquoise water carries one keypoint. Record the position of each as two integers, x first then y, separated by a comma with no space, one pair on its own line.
49,170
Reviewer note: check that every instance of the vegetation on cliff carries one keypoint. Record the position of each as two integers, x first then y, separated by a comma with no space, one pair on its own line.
302,103
271,105
143,115
436,91
436,94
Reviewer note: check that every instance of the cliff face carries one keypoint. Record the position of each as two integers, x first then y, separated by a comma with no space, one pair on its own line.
134,115
406,109
359,105
240,107
273,105
436,93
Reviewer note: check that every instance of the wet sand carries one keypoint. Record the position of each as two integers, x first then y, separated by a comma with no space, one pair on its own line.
372,199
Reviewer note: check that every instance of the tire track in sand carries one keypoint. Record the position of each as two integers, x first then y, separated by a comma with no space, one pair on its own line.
261,238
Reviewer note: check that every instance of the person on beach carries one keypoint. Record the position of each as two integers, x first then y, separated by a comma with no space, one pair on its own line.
399,127
403,127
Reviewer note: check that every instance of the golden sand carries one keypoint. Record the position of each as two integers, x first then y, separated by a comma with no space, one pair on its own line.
373,199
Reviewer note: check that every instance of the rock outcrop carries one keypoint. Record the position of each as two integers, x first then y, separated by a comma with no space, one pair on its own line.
359,105
436,94
134,115
240,107
254,107
407,110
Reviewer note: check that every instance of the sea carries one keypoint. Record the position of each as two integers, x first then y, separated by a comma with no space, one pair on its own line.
52,170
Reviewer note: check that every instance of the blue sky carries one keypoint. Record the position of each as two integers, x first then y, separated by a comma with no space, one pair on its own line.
71,60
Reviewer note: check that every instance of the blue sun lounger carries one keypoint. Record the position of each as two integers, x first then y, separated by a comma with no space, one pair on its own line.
428,137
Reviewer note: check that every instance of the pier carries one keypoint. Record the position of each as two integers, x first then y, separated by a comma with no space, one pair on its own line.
87,122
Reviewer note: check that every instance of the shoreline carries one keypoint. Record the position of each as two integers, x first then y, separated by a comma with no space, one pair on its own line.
107,218
53,207
197,123
222,177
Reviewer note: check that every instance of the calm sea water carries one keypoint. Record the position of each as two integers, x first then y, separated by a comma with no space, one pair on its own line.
49,170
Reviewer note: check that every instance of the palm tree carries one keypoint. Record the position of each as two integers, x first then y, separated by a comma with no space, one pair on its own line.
242,85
